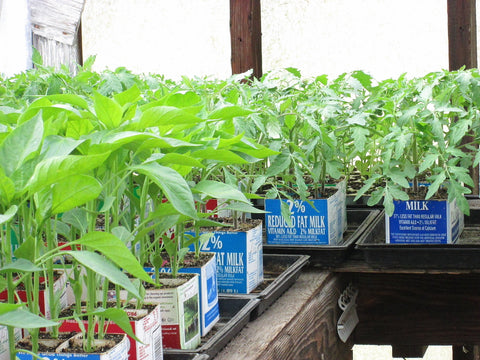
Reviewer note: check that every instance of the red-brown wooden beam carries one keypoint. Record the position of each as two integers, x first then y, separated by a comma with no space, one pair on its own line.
462,48
246,36
462,34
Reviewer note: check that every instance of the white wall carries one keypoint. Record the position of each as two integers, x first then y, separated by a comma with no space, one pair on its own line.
191,37
15,38
172,37
382,37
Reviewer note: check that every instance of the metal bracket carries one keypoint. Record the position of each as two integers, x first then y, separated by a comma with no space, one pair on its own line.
349,318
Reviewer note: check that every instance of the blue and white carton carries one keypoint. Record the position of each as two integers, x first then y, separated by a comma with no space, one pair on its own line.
239,259
119,352
424,222
208,291
321,224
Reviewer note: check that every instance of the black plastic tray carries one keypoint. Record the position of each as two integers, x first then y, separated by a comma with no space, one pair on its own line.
279,272
186,356
331,256
234,315
463,254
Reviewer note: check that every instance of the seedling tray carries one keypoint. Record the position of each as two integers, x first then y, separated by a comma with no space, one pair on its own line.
463,254
235,313
279,273
331,256
187,356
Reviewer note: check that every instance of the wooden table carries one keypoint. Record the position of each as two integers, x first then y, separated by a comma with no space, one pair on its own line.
408,309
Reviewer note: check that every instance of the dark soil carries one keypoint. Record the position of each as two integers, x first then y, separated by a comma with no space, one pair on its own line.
189,261
68,312
166,284
73,348
44,346
246,225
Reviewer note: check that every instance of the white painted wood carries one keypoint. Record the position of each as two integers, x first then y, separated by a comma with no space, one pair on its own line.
56,19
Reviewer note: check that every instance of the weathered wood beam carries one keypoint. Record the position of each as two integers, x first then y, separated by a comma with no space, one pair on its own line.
465,352
301,324
462,49
246,36
417,309
408,351
462,34
57,32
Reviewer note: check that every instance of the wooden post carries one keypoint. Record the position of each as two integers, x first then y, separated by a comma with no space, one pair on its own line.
245,35
462,49
462,34
56,31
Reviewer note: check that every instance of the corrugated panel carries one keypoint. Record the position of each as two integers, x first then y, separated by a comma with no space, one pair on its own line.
56,19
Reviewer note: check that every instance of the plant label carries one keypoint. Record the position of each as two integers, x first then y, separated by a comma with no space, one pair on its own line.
424,222
239,259
207,279
316,222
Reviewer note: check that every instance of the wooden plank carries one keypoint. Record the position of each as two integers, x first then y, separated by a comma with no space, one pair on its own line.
301,324
462,34
56,54
408,351
462,49
465,352
245,36
416,309
56,19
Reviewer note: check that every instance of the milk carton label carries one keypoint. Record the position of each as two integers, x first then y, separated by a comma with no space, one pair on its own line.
208,291
239,259
424,222
315,222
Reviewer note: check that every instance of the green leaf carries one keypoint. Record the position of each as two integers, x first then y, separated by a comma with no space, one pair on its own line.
398,194
428,161
279,165
220,155
290,120
399,179
108,111
28,249
173,185
258,182
20,144
433,188
21,318
180,159
376,196
7,188
21,265
71,99
364,78
285,211
105,268
218,190
367,185
74,191
388,203
459,130
56,169
130,95
9,214
119,317
76,218
228,112
167,115
242,207
54,145
115,250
